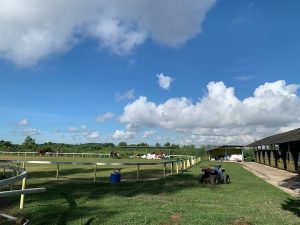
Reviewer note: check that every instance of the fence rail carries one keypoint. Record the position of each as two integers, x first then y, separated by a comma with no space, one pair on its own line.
19,175
175,165
57,154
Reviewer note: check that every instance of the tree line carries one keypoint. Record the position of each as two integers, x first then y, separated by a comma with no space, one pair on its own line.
123,148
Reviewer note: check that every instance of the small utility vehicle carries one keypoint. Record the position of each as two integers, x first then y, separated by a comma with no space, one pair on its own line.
214,175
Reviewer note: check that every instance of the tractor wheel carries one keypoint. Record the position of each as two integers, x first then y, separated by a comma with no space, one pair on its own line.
227,179
213,179
218,179
201,180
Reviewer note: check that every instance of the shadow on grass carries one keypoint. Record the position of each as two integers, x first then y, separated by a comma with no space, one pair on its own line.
45,206
61,206
63,172
292,205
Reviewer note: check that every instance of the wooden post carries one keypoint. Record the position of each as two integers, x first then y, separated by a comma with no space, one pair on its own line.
22,195
24,165
95,172
165,168
171,167
57,171
137,172
176,167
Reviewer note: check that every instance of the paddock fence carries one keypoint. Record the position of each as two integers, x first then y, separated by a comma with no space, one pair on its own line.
57,154
169,167
18,175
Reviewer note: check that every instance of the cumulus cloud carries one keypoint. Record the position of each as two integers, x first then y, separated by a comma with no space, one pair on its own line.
31,132
73,129
149,133
83,132
104,117
32,30
220,115
123,134
126,96
164,81
93,135
23,122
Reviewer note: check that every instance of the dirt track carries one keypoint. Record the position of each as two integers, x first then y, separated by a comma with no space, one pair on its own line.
285,180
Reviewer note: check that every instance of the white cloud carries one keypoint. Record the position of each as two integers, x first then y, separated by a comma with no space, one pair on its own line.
83,132
93,135
149,133
23,122
31,132
126,96
104,117
164,81
32,30
219,116
121,134
73,129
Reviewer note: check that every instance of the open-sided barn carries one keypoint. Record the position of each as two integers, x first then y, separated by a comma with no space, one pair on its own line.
226,152
280,150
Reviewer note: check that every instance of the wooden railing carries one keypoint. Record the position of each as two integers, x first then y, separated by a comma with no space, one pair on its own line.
20,175
175,165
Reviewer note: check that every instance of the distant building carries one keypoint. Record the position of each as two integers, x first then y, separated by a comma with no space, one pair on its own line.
226,152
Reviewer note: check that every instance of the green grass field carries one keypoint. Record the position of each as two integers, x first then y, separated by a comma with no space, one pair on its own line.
179,199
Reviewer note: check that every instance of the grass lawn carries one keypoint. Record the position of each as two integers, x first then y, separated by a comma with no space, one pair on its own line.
178,199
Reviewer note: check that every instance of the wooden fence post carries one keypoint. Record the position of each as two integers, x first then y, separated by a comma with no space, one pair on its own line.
57,171
95,172
137,172
22,195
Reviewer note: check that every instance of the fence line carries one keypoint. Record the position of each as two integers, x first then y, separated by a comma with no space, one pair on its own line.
20,175
56,154
181,164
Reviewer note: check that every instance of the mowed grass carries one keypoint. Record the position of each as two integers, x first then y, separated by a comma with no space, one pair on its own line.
179,199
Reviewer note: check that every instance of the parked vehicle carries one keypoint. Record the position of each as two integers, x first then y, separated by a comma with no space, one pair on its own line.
214,175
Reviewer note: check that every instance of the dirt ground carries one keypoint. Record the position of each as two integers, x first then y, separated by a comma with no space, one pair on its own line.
285,180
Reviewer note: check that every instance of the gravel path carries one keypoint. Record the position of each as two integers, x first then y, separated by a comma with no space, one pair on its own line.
285,180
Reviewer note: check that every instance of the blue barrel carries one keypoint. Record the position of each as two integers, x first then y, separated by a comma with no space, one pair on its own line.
115,178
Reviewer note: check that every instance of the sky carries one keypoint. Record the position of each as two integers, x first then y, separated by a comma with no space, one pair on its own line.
199,72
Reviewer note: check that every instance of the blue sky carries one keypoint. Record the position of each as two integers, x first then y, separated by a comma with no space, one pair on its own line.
229,71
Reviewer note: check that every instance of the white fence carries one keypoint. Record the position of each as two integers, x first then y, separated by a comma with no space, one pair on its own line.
100,155
20,175
174,165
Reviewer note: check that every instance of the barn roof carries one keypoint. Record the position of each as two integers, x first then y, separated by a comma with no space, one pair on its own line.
293,135
211,148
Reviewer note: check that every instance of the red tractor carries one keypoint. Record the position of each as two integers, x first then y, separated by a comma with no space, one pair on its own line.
214,175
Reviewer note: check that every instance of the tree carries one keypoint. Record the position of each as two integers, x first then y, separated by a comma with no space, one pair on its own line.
29,142
167,144
142,144
122,143
157,145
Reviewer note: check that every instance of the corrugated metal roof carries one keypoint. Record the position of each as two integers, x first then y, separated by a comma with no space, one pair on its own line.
210,148
289,136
